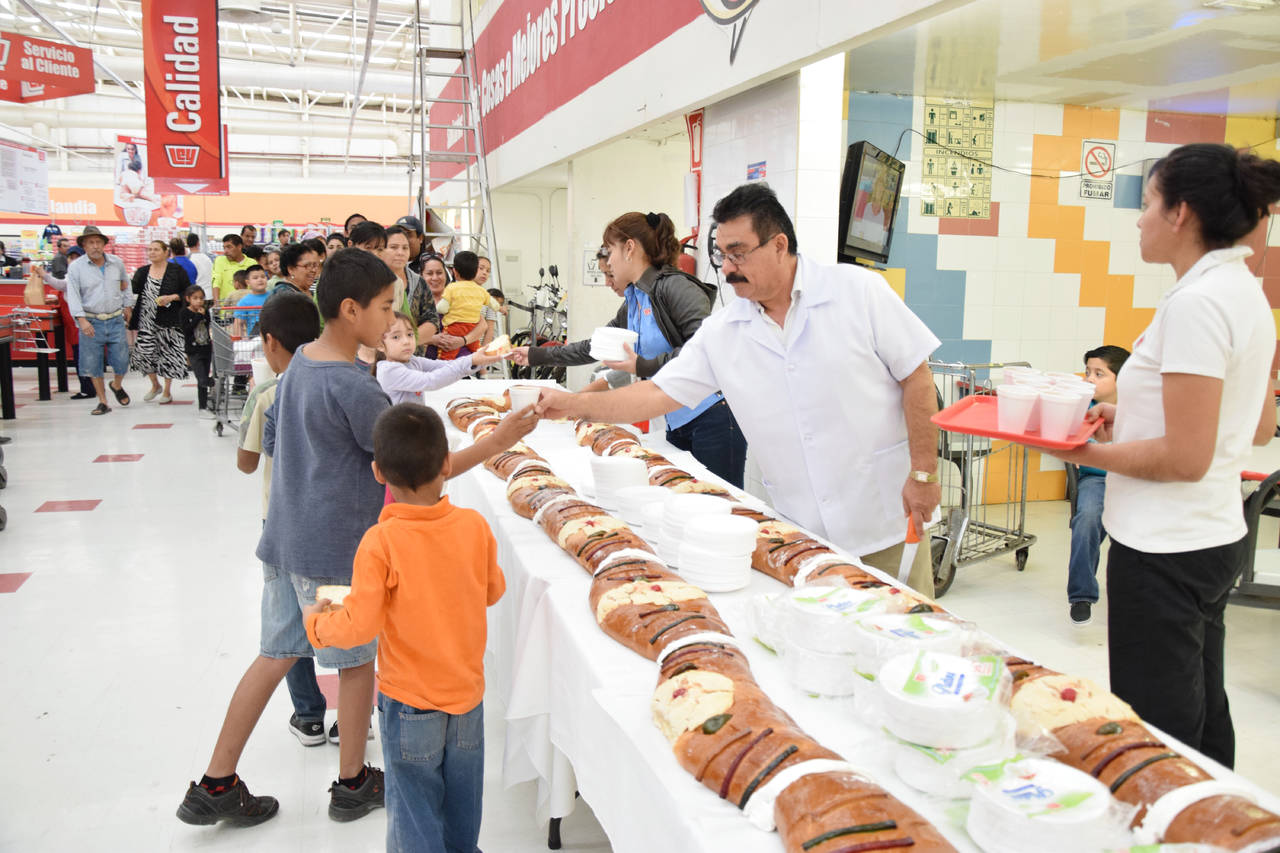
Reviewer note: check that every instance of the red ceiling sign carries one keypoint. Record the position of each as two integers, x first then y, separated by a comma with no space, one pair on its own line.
33,69
180,62
537,55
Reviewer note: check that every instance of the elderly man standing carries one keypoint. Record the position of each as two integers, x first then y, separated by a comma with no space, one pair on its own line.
98,297
826,371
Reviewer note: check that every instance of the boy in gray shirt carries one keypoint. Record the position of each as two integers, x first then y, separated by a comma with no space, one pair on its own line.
323,499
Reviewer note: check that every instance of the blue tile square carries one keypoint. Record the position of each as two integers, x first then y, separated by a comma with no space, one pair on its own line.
1128,192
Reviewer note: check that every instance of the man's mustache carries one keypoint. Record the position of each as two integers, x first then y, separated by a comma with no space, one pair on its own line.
735,278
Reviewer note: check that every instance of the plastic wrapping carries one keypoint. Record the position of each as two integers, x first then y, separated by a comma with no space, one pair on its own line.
825,618
1052,701
940,700
1041,805
764,617
821,673
624,554
883,635
945,772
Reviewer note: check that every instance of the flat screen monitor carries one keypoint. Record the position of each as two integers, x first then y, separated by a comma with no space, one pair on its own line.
869,194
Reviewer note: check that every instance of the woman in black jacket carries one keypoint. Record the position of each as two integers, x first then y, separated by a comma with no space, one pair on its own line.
159,352
665,307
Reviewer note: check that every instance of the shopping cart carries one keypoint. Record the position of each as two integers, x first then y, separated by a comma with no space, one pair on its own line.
984,485
232,366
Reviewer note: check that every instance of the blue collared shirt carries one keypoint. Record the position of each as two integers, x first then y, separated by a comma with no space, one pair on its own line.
94,289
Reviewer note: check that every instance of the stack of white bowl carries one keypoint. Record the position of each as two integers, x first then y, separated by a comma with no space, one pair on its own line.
632,501
1053,404
615,473
716,551
942,700
678,511
1043,805
607,342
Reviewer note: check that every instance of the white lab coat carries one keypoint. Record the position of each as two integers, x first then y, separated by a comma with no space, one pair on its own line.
822,412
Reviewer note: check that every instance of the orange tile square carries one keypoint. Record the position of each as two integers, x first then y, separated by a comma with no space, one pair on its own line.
1106,124
1076,121
1097,255
1071,222
1093,290
1042,221
1068,256
1044,191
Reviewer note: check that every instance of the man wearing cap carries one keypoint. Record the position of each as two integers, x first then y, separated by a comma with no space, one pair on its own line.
98,296
417,243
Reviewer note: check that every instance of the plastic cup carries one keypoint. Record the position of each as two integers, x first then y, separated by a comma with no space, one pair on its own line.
523,396
1011,374
262,371
1057,410
1014,406
1084,392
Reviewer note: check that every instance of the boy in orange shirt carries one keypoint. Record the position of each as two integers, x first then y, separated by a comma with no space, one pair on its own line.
423,577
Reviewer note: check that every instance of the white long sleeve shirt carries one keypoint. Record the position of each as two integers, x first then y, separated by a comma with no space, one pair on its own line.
404,382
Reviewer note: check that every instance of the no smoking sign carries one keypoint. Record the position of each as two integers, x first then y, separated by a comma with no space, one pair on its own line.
1097,170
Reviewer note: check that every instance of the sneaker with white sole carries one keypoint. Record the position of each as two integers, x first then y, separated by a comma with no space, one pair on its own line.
333,732
308,732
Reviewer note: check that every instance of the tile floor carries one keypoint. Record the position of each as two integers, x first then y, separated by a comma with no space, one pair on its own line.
126,625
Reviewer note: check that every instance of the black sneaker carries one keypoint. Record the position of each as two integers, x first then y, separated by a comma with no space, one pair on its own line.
346,804
237,807
1081,613
333,732
308,733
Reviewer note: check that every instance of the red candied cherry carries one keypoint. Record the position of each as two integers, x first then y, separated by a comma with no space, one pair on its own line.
1069,694
655,587
679,691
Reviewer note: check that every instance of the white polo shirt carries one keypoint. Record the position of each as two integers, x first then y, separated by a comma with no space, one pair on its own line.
1214,322
820,405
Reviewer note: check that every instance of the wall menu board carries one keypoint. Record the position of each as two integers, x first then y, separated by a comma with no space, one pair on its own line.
24,179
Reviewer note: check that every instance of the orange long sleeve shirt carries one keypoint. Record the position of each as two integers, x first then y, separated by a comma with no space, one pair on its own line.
422,579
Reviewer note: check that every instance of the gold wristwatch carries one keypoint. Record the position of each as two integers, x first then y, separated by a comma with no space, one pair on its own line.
924,476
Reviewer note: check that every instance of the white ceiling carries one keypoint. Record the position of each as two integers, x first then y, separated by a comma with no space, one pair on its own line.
1171,54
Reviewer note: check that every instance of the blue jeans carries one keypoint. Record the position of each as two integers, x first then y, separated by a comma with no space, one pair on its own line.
1087,534
109,345
435,777
716,441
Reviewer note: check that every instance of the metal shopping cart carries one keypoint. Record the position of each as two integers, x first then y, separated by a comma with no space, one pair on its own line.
233,357
984,485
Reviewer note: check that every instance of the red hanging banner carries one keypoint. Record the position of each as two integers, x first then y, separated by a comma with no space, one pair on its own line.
33,69
180,62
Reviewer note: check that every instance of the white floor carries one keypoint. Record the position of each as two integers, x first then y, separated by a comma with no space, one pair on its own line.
123,645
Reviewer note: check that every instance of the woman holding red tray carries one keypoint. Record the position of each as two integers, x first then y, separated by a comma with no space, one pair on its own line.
1195,394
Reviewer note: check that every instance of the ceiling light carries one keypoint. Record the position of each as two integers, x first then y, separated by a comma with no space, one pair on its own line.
1247,5
242,12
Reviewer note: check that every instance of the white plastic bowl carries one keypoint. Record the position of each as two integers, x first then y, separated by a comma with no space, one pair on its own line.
723,534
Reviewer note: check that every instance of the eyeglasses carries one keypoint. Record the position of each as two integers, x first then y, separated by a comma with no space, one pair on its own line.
718,256
311,265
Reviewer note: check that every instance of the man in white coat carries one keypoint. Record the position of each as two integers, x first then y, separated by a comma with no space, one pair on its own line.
825,369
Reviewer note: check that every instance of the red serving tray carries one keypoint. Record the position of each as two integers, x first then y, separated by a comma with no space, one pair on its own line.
976,415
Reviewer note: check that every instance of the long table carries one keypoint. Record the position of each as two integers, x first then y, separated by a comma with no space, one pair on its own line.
578,703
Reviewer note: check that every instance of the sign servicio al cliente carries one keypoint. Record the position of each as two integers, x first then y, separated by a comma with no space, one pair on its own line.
33,69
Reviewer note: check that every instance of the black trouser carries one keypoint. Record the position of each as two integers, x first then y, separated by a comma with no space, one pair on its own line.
1166,638
715,439
200,359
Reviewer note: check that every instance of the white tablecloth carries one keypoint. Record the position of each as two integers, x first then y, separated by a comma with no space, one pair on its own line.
578,702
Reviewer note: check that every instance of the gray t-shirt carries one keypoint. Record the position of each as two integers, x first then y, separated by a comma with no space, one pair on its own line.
319,434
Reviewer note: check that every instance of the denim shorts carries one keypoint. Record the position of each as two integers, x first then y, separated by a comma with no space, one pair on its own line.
109,345
283,635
